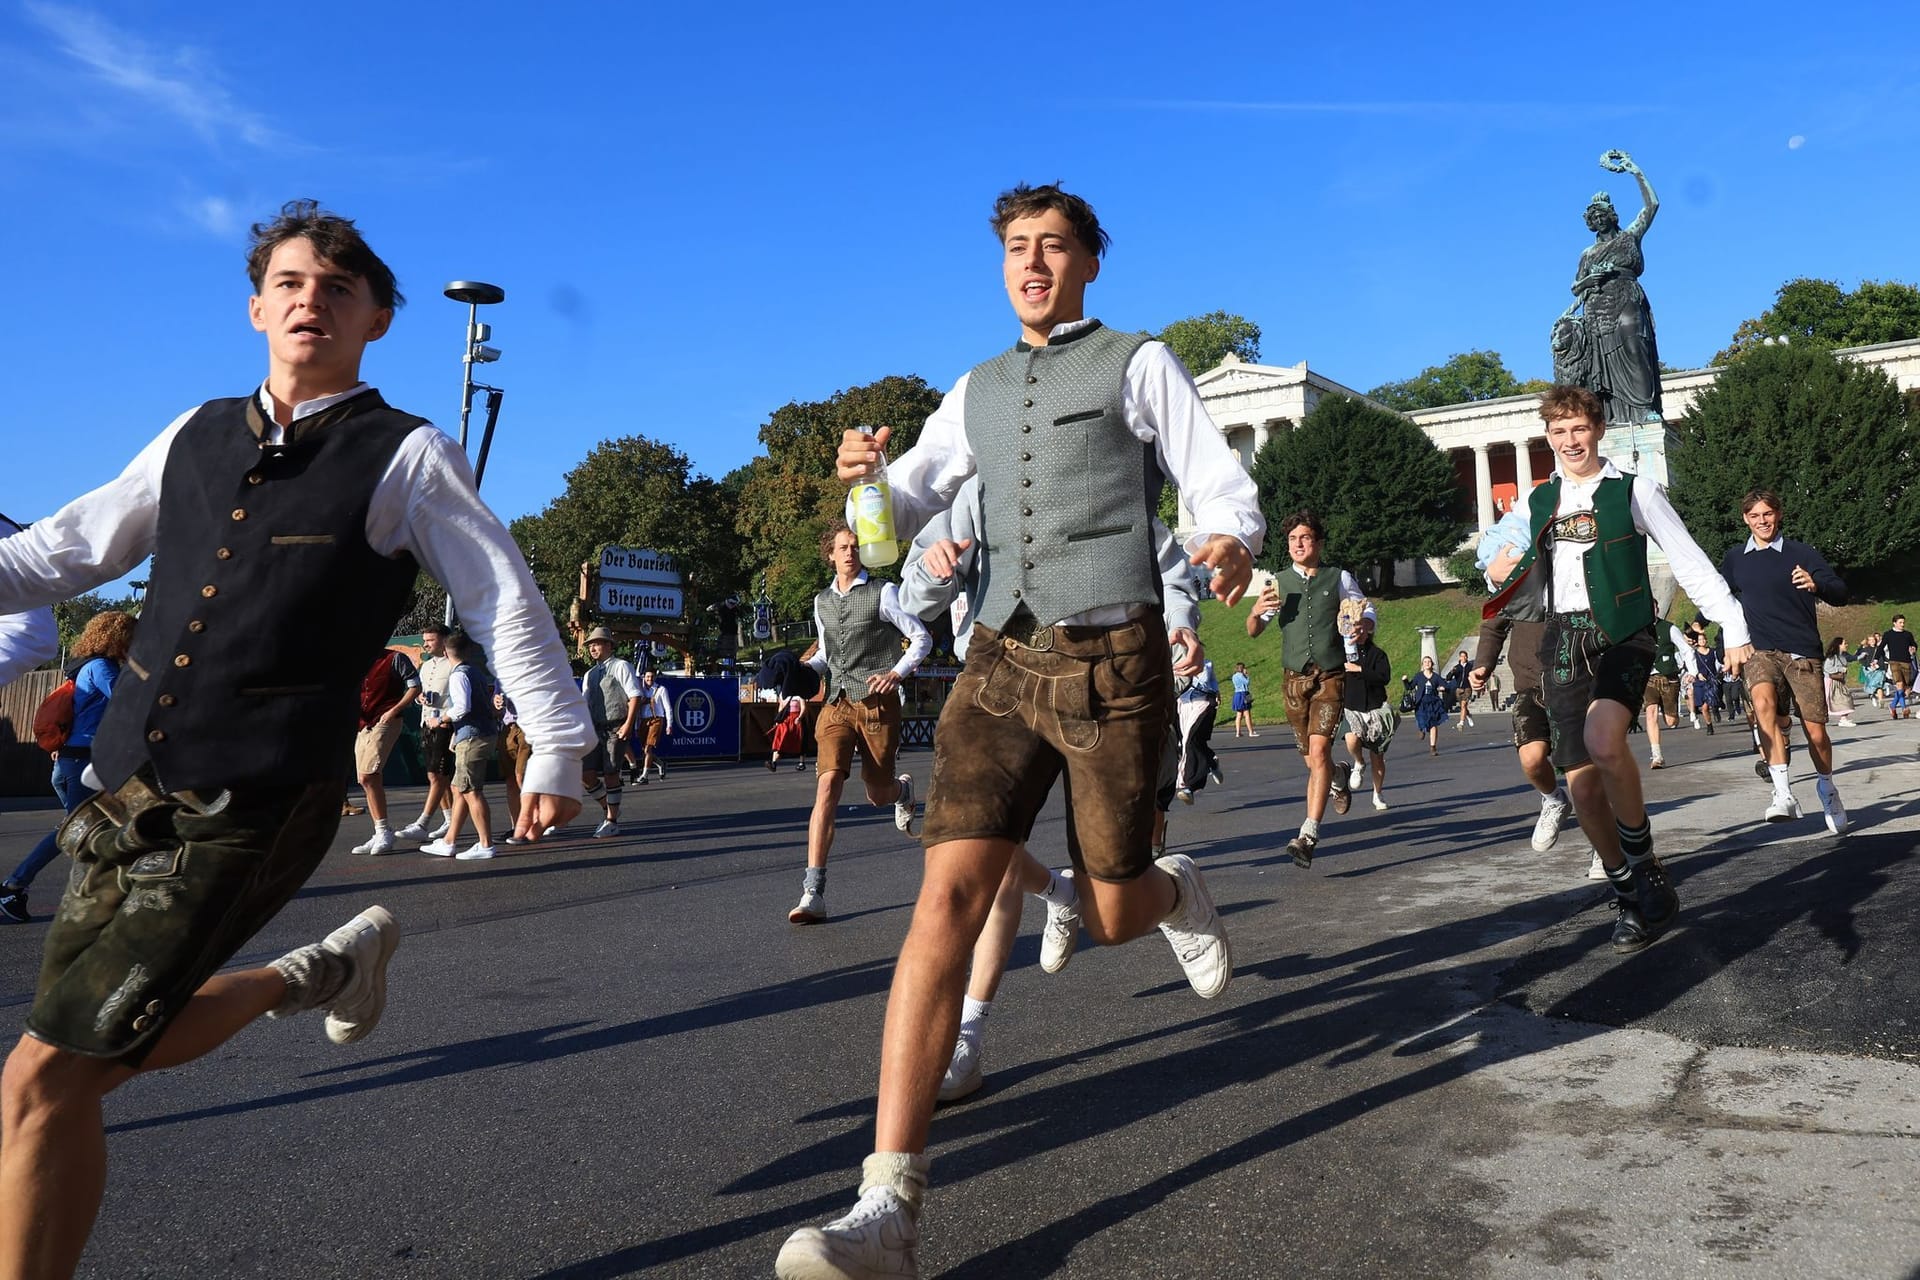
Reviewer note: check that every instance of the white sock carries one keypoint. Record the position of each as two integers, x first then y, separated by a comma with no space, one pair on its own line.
380,827
973,1017
1778,772
1060,891
1310,828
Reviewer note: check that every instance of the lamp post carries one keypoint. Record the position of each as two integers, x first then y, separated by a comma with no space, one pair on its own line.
476,294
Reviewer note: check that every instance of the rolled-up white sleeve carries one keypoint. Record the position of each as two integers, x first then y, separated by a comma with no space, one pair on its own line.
1164,407
426,505
96,538
925,478
1654,516
919,639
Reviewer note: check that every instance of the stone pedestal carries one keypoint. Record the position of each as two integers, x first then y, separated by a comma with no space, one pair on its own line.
1428,648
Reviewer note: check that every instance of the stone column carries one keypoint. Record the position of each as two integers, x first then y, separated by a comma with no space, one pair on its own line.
1429,648
1523,470
1482,487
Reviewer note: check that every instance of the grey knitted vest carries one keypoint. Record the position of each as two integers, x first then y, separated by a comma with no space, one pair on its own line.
606,698
860,641
1067,490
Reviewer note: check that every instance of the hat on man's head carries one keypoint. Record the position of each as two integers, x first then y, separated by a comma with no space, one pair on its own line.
599,633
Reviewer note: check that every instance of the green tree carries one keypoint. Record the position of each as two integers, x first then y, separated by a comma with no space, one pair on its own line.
1471,375
1820,311
634,492
1383,490
1833,438
1202,342
788,494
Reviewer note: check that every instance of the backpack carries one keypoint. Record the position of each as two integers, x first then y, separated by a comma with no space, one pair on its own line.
53,718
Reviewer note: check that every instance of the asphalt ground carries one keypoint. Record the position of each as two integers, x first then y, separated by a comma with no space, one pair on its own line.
614,1058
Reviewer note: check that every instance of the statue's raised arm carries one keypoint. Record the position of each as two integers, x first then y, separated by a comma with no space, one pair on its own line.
1617,161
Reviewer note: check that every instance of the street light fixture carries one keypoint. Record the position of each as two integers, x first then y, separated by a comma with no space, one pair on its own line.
476,294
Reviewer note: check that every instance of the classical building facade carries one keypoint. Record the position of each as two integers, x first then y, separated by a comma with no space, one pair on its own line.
1498,447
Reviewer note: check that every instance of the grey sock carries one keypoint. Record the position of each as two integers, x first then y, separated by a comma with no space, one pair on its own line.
815,881
314,976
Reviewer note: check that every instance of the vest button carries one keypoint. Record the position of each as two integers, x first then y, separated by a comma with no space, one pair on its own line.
156,735
209,591
223,554
1016,593
1031,379
1026,511
167,699
253,477
1026,404
1026,537
196,626
239,513
1025,483
182,660
1025,456
1026,564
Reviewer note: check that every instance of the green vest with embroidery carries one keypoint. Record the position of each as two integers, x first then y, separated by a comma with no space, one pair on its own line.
1666,660
1618,594
1309,620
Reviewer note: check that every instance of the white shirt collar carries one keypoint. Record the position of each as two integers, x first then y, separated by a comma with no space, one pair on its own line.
1778,544
307,407
1607,472
834,582
1070,326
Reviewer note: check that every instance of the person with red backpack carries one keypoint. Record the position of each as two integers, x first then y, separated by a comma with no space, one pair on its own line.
391,686
98,657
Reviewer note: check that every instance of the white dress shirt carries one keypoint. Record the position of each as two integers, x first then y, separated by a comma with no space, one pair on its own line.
26,639
1162,407
919,639
425,504
1655,517
657,705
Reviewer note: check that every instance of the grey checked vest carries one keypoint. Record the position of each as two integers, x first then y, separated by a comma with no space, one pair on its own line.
860,641
1067,491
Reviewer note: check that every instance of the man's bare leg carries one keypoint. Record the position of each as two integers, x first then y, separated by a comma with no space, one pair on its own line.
53,1155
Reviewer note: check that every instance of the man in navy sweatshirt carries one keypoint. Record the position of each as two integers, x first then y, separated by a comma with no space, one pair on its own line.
1779,582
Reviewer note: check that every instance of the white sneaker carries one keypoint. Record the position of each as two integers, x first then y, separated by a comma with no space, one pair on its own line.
1379,801
1357,776
903,807
1830,804
1783,808
368,942
965,1074
382,842
438,848
442,829
1596,870
1219,780
479,853
1197,936
1059,936
1185,796
1553,815
607,829
811,909
412,831
874,1242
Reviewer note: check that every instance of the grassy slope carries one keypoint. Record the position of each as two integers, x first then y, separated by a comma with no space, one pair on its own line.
1224,632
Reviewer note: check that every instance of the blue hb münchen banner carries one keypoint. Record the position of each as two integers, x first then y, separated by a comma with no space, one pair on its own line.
706,718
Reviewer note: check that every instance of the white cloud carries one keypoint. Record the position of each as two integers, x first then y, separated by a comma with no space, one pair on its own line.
1796,142
179,82
214,214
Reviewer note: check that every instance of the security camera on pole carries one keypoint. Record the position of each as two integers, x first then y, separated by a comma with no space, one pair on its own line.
476,295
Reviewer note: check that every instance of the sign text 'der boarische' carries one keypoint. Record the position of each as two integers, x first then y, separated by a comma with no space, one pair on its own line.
638,564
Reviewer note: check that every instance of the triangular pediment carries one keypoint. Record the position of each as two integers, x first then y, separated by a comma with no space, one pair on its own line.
1234,373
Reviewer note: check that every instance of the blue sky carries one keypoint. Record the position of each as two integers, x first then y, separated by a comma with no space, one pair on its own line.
699,216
